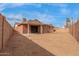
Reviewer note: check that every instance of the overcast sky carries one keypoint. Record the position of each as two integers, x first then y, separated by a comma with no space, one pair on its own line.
55,14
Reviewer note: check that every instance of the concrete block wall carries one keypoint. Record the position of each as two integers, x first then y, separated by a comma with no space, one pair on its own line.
5,31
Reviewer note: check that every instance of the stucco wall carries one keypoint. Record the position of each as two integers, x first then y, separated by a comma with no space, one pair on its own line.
7,31
74,30
77,31
19,28
25,29
0,32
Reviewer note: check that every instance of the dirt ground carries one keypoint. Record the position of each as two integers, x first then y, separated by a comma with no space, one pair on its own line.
59,43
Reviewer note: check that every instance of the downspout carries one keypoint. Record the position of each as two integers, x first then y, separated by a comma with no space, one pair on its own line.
72,27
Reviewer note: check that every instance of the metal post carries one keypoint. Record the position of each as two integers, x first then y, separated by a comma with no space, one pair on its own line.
41,30
72,27
28,29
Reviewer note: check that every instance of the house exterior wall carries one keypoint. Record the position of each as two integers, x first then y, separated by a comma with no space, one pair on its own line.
19,28
24,28
37,29
47,29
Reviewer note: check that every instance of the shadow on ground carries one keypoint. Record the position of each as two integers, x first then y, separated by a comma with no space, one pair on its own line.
19,45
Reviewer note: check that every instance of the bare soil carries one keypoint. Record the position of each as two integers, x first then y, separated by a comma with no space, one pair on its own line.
59,43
